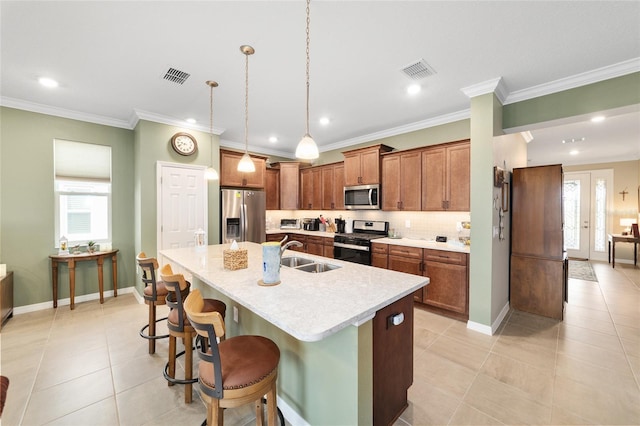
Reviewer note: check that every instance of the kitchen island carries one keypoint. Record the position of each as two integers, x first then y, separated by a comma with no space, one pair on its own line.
335,330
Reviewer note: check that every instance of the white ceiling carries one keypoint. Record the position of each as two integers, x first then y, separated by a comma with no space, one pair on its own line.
110,59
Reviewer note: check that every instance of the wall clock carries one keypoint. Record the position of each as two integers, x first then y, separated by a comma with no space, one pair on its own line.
184,143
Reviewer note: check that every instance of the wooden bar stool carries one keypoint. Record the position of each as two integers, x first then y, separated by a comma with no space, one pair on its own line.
236,371
154,294
180,328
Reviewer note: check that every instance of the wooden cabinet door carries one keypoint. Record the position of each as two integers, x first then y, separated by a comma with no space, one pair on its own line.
391,183
352,169
338,187
410,182
370,167
379,255
448,287
327,187
328,247
315,245
256,179
275,237
311,188
272,189
405,259
433,179
289,186
458,178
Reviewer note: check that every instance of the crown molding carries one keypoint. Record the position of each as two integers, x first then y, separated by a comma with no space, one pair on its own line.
578,80
62,112
495,85
138,115
394,131
240,147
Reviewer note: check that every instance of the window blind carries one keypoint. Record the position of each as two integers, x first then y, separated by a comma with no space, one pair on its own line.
79,160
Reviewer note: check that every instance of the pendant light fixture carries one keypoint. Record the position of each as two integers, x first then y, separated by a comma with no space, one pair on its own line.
246,164
307,148
211,173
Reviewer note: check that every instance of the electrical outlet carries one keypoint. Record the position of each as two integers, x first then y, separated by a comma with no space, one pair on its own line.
407,223
495,231
235,313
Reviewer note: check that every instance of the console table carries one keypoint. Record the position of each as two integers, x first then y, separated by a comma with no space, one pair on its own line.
618,238
70,260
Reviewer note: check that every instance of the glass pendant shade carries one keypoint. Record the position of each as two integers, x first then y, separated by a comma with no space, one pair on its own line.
307,148
246,164
211,174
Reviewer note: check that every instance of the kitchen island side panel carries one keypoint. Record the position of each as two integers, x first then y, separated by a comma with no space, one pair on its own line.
328,382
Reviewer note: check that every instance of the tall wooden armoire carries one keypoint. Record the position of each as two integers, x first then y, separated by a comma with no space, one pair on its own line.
538,261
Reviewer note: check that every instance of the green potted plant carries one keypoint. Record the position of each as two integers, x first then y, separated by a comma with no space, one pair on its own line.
91,246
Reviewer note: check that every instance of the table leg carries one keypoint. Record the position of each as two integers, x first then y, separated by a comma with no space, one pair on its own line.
114,264
609,251
635,254
54,280
72,283
613,254
100,280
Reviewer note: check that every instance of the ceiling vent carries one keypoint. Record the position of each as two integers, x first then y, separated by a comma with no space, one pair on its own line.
418,70
176,76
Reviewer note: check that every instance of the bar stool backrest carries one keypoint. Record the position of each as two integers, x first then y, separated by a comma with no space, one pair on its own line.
177,286
149,265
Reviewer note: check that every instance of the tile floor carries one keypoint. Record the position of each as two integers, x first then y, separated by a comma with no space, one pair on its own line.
90,367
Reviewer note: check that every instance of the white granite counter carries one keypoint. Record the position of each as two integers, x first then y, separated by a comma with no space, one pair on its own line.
410,242
307,306
301,232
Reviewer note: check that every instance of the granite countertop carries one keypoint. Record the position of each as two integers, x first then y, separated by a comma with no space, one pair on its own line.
301,232
308,306
409,242
428,244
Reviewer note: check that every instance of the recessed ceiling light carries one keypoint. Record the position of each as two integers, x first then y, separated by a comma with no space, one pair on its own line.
47,82
191,120
597,119
574,152
324,121
413,89
273,139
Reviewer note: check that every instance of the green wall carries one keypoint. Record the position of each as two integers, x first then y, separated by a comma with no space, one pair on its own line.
27,218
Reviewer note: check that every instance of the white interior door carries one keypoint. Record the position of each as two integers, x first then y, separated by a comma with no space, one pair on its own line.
577,208
182,204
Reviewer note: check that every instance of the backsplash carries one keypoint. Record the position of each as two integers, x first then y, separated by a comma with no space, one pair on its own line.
423,225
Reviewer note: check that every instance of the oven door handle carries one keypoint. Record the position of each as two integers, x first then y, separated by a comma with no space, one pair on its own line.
350,246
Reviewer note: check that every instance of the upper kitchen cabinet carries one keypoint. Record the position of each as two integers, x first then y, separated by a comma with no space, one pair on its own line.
333,186
272,188
230,176
311,188
446,177
362,166
400,181
289,185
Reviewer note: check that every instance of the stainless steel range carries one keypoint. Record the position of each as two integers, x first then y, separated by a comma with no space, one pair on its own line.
356,247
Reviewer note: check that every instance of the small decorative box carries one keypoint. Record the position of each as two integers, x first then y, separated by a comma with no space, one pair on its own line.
235,259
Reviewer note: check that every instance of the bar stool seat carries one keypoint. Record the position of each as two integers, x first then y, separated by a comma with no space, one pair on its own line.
154,294
180,328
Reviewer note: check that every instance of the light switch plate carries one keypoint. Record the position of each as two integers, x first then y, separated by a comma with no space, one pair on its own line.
407,223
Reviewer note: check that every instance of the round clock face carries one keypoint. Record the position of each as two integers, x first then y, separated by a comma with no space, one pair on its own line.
184,143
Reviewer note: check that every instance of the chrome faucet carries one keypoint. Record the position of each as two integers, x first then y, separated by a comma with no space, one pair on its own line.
289,244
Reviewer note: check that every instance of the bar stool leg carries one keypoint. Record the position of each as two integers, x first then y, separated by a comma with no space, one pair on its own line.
172,359
188,367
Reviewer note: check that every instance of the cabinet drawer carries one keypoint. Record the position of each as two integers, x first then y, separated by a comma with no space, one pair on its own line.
315,240
443,256
379,248
410,252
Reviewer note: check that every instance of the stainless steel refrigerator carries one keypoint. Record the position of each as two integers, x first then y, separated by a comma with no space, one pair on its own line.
242,215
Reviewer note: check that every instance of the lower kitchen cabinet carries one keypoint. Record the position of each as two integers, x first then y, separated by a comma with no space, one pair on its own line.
379,255
448,272
449,280
328,247
315,245
409,260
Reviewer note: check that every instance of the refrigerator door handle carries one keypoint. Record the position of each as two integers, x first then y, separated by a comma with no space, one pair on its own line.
243,220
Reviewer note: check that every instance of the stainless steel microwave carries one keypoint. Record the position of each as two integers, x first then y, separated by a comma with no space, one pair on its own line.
362,197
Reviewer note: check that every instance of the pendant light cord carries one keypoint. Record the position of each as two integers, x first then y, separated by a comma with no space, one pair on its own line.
211,122
308,39
246,105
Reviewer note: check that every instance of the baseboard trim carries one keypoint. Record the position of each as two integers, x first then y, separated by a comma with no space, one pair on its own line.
67,301
290,414
490,330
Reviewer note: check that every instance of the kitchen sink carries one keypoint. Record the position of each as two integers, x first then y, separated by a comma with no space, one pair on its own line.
318,267
295,261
